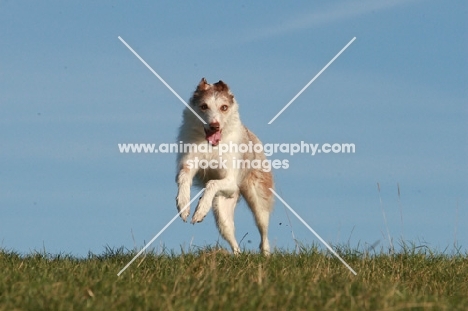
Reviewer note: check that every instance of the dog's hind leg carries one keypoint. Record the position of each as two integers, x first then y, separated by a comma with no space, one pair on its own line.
256,192
223,209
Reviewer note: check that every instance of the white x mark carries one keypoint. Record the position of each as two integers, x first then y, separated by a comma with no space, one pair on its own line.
277,115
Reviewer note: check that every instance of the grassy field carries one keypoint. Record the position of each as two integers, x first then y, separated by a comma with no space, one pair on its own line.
210,279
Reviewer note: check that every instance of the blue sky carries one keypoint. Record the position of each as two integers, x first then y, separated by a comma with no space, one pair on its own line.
70,91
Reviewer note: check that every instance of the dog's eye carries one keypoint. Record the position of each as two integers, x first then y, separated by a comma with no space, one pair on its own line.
204,107
224,107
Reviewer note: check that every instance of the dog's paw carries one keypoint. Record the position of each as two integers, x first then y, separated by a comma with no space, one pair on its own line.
185,214
197,217
181,203
200,212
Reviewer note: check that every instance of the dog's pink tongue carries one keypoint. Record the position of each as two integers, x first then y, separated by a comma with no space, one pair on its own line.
213,137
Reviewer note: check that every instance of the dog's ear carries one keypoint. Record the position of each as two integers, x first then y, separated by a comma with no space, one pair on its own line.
220,86
201,88
203,85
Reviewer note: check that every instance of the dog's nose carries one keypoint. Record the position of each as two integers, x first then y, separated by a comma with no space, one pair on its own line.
214,126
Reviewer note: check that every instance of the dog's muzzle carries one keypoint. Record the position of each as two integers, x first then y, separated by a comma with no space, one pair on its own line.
213,134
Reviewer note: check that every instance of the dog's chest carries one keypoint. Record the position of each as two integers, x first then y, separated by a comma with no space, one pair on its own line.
211,166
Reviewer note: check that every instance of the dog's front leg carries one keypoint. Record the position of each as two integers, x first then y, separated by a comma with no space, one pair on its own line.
184,181
227,186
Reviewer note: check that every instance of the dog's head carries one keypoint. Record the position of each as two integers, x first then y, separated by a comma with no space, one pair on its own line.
216,105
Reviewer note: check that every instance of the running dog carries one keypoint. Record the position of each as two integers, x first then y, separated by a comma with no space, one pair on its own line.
222,180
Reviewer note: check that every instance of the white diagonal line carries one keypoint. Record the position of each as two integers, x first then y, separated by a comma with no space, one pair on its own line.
313,79
160,78
312,230
160,232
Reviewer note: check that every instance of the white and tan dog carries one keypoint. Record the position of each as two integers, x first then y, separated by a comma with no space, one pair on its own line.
224,183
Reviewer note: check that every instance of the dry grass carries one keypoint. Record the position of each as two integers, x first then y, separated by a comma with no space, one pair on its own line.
414,279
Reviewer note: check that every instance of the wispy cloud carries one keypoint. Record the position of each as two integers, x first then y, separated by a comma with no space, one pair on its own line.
336,13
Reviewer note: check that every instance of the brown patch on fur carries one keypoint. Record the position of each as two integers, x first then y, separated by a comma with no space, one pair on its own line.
184,167
257,182
220,86
205,89
265,179
256,187
254,139
245,156
203,85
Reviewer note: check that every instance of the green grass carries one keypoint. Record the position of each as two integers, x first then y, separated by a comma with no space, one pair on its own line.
210,279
